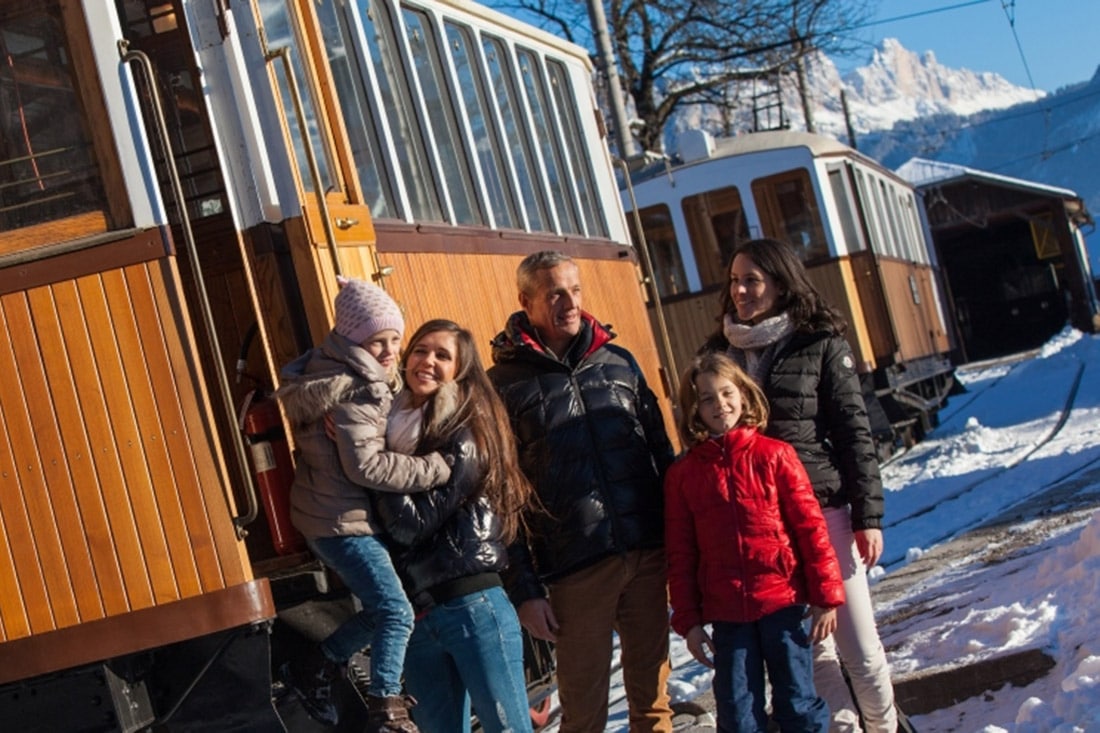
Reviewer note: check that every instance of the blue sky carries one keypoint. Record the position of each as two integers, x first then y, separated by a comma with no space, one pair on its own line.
1056,37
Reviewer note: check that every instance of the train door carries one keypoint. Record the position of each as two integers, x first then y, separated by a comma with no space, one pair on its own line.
310,60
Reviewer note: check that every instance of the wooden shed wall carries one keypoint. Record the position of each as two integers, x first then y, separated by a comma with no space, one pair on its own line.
112,488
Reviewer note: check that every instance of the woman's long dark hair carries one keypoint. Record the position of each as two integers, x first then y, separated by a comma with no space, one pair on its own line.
798,297
479,408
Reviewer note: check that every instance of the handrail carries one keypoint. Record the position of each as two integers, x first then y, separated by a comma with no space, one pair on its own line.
130,55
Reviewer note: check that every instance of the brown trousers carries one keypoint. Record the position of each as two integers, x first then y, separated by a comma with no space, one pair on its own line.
626,594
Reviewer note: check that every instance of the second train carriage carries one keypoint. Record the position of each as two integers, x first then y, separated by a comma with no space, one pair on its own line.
180,182
858,228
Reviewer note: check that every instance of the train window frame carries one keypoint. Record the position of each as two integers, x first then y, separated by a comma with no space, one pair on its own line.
383,60
557,172
848,207
664,253
774,222
584,177
446,140
359,107
492,164
700,210
108,208
891,218
295,40
499,62
867,205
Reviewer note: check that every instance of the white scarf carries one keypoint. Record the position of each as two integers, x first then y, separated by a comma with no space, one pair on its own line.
404,425
755,347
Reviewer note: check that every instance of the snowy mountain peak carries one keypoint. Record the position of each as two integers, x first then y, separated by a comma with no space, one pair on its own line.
915,85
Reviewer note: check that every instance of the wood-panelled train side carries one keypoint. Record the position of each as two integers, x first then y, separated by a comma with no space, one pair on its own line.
858,228
180,183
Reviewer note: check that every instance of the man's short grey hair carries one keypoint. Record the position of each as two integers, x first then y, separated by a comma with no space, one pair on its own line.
532,263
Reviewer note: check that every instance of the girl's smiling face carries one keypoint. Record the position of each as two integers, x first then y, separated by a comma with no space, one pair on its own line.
431,361
719,402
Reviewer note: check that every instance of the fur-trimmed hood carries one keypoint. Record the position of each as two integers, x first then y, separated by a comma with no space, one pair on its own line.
335,372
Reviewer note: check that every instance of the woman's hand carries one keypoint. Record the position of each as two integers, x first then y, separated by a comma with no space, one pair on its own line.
701,646
869,544
824,623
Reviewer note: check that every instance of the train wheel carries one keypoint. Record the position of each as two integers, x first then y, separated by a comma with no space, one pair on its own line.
540,713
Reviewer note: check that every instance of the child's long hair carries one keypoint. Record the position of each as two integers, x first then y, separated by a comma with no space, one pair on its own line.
478,408
754,405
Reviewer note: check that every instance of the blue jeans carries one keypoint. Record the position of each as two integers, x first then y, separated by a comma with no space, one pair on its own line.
386,621
469,649
780,643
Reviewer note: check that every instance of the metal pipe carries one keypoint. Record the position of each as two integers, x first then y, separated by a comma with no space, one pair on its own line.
129,55
647,267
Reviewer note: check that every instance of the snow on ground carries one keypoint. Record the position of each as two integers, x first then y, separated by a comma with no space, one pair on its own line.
1042,598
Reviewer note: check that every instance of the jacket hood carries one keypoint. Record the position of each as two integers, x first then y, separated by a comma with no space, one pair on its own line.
337,371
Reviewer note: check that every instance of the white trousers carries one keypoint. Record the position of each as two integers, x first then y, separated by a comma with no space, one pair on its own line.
857,642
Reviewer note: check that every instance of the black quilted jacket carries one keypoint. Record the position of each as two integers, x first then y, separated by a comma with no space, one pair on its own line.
445,533
817,406
592,440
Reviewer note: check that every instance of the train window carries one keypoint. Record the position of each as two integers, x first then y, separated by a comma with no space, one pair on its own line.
891,219
847,208
788,211
664,252
565,102
440,112
50,176
494,165
356,105
549,140
887,241
280,31
870,216
716,224
522,154
920,247
408,146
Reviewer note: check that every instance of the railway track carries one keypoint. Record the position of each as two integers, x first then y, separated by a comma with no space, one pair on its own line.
1004,481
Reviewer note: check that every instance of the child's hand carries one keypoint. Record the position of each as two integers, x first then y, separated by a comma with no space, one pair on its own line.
824,623
701,646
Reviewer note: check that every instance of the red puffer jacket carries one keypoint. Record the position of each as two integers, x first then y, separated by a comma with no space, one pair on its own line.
744,534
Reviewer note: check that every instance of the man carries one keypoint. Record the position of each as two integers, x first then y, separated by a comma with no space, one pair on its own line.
592,440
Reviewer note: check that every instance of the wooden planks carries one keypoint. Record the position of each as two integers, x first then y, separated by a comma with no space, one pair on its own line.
112,486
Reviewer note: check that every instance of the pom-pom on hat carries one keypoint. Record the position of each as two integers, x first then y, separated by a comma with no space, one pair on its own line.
363,310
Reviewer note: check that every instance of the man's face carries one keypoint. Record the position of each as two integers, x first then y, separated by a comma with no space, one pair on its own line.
554,309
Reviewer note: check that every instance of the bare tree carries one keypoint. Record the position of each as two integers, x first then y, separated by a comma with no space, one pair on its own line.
675,53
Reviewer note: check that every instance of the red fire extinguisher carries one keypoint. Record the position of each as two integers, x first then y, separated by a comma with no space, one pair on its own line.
266,436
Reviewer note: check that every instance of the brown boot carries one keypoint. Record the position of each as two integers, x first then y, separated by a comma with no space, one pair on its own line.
390,714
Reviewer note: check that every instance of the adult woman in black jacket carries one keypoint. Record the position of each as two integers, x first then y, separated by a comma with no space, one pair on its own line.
776,325
449,543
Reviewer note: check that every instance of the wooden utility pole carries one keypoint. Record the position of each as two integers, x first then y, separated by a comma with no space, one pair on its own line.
605,59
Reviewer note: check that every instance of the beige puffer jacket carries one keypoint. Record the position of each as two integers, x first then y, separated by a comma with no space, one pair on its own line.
329,496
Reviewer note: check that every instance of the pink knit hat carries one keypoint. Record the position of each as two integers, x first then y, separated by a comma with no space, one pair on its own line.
363,310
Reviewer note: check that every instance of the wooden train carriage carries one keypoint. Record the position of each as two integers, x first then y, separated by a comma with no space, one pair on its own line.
857,227
180,183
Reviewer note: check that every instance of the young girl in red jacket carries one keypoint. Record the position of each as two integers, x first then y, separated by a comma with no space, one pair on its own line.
748,550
